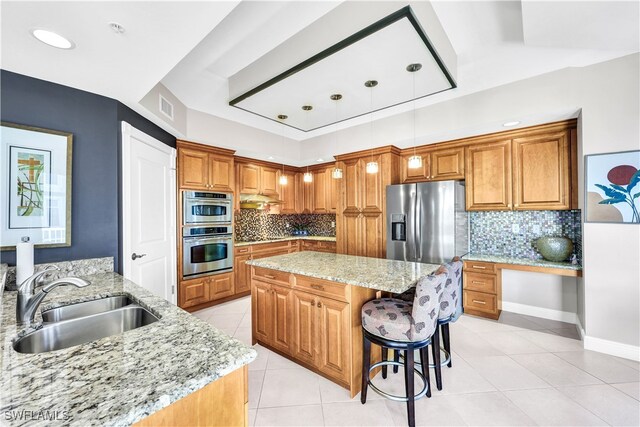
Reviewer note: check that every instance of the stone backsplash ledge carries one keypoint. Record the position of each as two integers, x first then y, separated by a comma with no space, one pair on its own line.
252,224
493,233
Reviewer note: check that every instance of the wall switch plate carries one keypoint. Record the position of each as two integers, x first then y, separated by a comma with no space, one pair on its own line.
515,228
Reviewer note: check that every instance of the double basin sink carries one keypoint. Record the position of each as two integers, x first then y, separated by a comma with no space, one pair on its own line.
80,323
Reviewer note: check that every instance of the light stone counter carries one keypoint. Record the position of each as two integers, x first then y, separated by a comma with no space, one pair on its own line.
375,273
521,261
284,239
117,380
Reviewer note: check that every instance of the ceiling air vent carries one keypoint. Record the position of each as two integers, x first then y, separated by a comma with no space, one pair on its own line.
166,107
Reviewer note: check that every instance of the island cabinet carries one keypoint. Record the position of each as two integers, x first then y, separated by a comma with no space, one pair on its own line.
242,254
360,217
202,167
314,322
528,169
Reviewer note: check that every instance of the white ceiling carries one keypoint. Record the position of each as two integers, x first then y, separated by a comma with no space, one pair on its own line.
193,48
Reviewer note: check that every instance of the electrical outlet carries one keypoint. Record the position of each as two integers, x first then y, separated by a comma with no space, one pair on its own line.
536,228
515,228
333,224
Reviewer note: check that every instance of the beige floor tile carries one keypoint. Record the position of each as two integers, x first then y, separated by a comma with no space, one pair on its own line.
488,409
613,406
551,342
244,335
473,345
434,411
331,392
226,322
238,306
548,323
555,370
256,379
479,324
631,363
518,320
570,332
278,362
246,320
260,363
373,413
511,343
290,387
604,367
505,374
460,378
549,407
631,389
252,416
307,415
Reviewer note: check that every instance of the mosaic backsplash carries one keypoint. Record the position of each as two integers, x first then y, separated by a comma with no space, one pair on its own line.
492,233
252,224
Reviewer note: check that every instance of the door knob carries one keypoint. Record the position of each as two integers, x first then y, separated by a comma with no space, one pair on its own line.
135,256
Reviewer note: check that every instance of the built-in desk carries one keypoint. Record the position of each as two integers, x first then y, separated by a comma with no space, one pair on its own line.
482,281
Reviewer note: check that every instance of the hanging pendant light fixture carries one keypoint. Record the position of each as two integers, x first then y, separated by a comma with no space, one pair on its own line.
337,172
414,161
372,166
308,176
283,178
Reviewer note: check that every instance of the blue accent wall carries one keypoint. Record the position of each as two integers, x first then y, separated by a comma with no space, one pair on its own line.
94,121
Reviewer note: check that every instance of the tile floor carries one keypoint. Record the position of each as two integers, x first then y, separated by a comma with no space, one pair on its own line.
520,370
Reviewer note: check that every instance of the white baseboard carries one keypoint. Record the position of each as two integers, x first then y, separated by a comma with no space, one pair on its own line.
545,313
580,328
626,351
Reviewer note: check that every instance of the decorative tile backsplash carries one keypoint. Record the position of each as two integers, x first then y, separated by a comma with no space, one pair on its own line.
493,232
252,224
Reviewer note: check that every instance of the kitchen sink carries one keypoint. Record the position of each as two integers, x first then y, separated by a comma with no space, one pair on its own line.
81,330
81,309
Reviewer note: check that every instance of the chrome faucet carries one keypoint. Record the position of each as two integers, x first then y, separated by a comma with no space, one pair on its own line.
29,301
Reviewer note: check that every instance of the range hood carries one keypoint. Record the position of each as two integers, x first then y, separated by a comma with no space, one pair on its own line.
257,201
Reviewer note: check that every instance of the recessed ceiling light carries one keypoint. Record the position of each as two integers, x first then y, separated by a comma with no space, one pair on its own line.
307,107
270,157
508,124
116,28
53,39
319,160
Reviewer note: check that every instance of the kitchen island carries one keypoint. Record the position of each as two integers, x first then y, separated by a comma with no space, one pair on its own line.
306,306
178,369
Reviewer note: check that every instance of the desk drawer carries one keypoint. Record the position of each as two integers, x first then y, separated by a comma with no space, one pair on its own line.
480,267
481,282
280,277
480,301
338,291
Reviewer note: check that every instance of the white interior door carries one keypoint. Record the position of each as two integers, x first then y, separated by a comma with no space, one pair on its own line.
149,212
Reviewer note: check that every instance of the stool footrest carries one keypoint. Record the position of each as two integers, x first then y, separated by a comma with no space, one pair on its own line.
390,396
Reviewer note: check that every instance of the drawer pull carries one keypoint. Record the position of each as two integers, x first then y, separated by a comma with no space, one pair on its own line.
318,287
269,276
319,304
478,301
480,267
477,281
313,303
243,250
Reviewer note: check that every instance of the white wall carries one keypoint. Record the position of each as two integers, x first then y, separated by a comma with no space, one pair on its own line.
151,102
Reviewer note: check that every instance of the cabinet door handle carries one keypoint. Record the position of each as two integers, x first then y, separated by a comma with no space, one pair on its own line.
318,287
319,304
313,303
479,267
269,276
478,301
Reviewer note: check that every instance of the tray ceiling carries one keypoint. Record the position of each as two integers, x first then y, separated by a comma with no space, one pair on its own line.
379,52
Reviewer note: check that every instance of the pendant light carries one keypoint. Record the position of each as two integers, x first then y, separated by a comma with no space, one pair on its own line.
283,178
372,166
415,161
337,172
308,176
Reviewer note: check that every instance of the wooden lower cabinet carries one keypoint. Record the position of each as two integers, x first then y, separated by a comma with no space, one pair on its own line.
314,322
482,289
194,292
223,402
318,246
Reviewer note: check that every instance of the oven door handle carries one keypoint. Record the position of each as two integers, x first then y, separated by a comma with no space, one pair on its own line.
198,240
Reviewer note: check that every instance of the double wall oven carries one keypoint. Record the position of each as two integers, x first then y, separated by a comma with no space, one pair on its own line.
207,234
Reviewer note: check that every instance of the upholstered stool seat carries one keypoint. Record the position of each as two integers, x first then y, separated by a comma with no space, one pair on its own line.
403,326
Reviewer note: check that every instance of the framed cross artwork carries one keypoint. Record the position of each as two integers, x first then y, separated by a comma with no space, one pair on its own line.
35,186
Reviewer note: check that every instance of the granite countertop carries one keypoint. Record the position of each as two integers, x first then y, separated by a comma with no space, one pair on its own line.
521,261
120,379
282,239
375,273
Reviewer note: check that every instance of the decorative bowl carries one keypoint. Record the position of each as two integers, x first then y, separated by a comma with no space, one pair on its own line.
554,248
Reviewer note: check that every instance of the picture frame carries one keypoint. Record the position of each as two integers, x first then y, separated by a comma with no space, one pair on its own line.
35,186
612,188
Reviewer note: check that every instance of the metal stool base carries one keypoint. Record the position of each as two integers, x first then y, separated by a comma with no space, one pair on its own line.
395,397
446,360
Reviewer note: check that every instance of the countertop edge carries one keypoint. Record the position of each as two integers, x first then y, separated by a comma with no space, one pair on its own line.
500,259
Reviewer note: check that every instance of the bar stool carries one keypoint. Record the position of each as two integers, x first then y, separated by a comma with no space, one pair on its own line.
402,326
450,311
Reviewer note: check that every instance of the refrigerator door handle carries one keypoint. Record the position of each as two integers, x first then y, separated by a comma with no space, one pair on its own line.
418,227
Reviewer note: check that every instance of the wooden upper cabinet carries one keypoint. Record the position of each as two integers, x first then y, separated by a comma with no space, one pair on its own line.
201,167
194,169
288,194
447,164
249,176
373,189
269,185
352,181
320,203
307,195
488,176
541,172
332,191
222,173
420,174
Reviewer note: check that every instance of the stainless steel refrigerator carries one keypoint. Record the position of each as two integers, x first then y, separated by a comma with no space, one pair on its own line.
427,222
